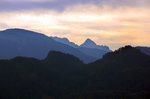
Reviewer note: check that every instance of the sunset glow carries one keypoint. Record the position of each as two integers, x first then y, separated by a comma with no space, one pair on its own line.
105,24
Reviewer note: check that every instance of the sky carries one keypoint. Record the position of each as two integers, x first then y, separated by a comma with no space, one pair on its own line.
114,23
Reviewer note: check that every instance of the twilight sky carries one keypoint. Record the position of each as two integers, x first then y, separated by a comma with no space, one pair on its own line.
108,22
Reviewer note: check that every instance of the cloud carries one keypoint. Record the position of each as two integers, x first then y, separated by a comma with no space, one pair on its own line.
107,25
27,0
61,5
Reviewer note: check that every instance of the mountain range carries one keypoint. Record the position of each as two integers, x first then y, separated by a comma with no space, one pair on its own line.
89,47
20,42
87,44
122,74
35,66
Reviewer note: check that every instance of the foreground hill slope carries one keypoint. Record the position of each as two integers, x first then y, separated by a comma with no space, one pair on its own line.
126,68
123,74
29,78
19,42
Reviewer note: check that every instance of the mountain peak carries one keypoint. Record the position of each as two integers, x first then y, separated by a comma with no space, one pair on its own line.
91,44
90,41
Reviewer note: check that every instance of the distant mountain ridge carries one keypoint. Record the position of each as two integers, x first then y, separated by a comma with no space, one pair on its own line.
89,47
145,50
94,52
91,44
20,42
87,44
65,41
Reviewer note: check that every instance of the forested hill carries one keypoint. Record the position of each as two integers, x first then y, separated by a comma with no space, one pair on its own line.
122,74
124,69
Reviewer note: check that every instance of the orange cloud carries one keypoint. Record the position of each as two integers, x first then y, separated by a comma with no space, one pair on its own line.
105,25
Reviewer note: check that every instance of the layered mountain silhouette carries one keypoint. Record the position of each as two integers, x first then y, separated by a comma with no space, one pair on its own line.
65,41
19,42
89,47
122,74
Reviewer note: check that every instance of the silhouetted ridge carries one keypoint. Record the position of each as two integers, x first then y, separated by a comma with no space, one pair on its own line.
126,49
65,41
17,30
21,33
126,68
56,56
127,55
23,59
123,50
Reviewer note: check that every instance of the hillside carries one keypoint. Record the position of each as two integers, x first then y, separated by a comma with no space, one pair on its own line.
122,74
126,68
